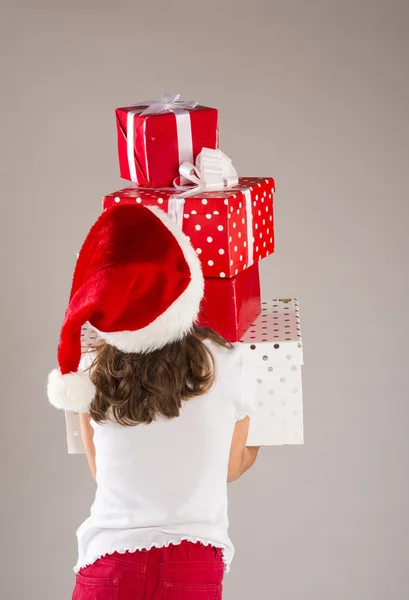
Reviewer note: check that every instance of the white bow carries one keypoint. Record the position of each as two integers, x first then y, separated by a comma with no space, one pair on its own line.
167,102
213,172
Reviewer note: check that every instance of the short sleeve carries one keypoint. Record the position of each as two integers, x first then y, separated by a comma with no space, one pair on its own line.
246,395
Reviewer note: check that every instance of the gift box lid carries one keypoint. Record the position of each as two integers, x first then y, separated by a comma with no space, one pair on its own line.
204,203
274,339
165,113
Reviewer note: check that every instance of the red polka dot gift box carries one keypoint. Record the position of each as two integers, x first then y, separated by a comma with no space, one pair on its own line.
230,306
230,229
156,136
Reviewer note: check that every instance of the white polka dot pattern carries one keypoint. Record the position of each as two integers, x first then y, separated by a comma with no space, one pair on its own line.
221,216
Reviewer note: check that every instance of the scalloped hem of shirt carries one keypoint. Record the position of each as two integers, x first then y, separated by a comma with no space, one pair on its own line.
193,540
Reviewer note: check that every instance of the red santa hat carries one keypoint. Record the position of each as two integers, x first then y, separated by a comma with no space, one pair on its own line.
138,282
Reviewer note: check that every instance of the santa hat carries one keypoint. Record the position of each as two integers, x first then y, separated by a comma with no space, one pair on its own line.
139,284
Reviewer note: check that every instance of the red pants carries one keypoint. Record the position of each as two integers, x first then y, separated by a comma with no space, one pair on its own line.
184,572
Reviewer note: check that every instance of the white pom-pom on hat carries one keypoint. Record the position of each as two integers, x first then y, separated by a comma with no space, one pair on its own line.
72,391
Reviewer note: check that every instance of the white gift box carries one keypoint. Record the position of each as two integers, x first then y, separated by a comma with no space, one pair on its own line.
273,352
72,425
72,419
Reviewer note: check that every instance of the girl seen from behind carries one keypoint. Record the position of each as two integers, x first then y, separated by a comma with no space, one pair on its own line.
164,414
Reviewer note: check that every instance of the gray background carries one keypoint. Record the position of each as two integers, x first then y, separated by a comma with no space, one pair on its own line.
313,93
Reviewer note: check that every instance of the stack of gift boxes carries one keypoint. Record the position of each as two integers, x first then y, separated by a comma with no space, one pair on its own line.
169,150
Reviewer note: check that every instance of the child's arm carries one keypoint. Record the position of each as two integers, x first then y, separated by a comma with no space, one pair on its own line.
87,435
241,457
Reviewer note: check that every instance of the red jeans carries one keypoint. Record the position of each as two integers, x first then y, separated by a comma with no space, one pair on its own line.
184,572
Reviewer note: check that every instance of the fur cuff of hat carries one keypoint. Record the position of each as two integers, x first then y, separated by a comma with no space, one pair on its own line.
73,391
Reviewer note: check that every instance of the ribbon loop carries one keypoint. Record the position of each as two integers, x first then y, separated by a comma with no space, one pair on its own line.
167,102
170,98
213,172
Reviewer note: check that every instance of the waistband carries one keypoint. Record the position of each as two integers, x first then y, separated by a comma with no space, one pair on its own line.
174,552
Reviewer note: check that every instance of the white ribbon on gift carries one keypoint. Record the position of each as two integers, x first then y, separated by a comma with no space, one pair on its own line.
167,103
213,171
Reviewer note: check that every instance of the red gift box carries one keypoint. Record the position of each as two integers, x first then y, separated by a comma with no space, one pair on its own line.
230,229
230,306
152,147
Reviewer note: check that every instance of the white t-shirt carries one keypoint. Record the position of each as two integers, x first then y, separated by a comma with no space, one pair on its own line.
166,482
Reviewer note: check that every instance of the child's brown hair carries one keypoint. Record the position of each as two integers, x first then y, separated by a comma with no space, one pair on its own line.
136,388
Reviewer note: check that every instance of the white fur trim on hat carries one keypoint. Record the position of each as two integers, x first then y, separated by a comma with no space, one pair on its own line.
73,391
178,319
